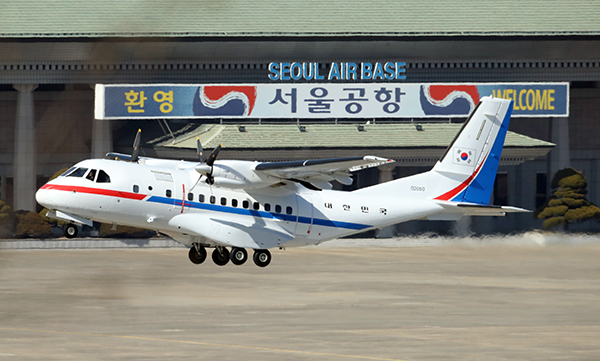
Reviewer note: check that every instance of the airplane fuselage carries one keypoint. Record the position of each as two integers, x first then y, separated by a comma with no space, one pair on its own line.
150,195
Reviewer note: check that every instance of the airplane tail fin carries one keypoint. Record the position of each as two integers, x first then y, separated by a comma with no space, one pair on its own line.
467,170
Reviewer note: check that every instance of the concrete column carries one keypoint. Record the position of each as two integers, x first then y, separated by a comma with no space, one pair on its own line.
386,172
560,156
24,169
101,138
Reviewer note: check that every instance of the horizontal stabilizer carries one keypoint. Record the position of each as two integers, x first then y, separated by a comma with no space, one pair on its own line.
473,209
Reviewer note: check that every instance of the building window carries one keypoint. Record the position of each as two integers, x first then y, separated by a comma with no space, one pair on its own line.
541,189
501,189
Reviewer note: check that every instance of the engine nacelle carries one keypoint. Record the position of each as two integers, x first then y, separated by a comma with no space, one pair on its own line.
240,174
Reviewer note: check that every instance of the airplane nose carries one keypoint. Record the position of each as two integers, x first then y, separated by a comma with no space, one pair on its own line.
41,196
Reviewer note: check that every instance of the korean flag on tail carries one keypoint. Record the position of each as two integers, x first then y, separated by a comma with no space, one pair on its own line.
464,156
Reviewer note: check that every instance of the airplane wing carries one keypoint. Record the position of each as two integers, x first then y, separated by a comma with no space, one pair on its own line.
235,231
319,172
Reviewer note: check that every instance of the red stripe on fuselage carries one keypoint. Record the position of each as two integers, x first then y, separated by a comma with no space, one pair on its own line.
98,191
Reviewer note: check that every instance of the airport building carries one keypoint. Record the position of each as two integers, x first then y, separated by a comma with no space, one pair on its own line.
52,60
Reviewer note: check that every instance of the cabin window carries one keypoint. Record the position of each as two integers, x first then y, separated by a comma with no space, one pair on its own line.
169,193
223,201
68,171
79,172
104,178
213,199
245,204
256,206
267,207
190,196
136,188
201,198
234,202
288,210
91,175
277,208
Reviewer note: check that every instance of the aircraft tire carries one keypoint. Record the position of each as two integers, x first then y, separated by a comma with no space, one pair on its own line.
70,230
262,257
238,256
197,256
220,258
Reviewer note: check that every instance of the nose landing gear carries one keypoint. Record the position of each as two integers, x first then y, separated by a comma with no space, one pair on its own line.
70,230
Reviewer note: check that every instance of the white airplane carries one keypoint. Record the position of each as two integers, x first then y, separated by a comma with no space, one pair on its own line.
252,205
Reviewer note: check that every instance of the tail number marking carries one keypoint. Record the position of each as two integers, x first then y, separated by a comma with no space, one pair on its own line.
417,189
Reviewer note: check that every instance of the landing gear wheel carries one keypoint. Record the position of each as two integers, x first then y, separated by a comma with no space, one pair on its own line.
239,256
197,254
70,231
220,256
262,257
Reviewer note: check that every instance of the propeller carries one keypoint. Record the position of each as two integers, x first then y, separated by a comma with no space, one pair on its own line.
205,167
136,146
199,150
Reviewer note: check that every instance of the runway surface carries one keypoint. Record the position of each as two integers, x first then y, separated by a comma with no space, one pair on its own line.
458,301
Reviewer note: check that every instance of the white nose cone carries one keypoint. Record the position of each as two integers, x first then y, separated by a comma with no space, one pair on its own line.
40,197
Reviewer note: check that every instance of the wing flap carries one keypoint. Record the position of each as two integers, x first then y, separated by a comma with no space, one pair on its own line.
245,232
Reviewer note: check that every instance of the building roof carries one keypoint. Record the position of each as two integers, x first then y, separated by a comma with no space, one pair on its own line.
251,18
275,142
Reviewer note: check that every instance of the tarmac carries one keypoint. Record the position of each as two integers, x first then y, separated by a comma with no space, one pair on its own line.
527,297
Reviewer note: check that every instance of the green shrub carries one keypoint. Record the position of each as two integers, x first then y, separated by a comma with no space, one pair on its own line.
568,205
32,225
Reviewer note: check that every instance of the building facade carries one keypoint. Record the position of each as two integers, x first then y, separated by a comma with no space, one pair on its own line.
51,60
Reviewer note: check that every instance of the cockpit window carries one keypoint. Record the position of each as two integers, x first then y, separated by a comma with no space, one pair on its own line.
79,172
91,175
102,177
68,171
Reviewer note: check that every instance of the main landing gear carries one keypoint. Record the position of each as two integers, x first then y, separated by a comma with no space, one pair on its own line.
221,255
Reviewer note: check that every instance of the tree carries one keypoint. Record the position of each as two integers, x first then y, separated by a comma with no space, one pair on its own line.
569,204
7,221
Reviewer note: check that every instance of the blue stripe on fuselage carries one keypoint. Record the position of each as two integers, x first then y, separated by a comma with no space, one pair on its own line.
255,213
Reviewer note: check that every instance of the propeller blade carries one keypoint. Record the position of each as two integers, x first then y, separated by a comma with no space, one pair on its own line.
199,150
136,146
213,156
